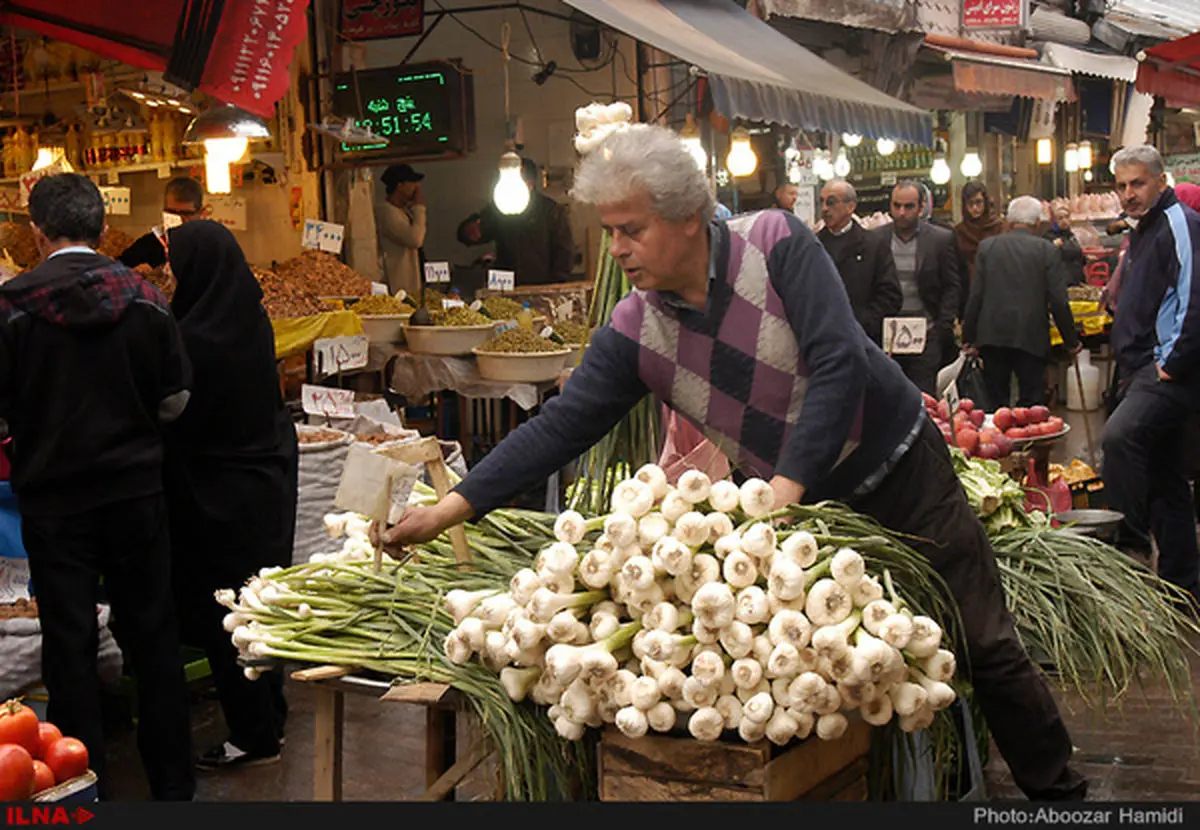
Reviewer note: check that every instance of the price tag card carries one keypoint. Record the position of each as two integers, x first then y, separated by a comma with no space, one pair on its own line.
887,179
437,272
904,335
322,400
324,236
14,579
340,354
28,180
449,303
505,325
230,211
501,280
380,288
116,200
171,220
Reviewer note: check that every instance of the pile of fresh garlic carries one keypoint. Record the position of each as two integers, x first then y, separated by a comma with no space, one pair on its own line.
595,122
676,612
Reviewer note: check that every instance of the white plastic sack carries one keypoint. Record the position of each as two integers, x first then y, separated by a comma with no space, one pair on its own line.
321,468
21,654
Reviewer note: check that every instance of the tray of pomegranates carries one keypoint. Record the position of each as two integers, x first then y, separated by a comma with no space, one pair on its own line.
1027,425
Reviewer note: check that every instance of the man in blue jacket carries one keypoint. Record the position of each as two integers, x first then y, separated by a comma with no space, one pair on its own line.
1156,339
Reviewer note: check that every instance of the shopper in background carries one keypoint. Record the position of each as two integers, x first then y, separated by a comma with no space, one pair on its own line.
1156,340
980,221
91,367
1017,276
231,469
831,416
863,258
927,269
785,196
1060,234
535,245
183,198
401,221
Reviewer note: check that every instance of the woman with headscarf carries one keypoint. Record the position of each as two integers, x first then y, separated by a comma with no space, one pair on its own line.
231,475
979,222
1063,237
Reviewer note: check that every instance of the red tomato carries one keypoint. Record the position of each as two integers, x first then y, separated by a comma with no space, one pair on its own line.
16,773
68,757
48,733
43,776
19,725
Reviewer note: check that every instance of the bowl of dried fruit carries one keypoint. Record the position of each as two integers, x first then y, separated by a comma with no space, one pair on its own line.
520,356
455,332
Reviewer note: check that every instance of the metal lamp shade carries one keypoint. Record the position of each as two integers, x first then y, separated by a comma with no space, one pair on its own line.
225,121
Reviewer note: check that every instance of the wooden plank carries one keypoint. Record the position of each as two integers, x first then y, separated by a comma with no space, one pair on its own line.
802,768
850,784
685,759
441,484
320,673
439,753
447,781
422,451
422,694
328,720
641,788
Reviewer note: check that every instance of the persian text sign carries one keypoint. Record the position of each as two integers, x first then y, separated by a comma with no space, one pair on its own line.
993,14
1185,168
248,65
372,19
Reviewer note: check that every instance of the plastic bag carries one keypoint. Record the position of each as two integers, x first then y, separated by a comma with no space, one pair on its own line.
971,385
686,448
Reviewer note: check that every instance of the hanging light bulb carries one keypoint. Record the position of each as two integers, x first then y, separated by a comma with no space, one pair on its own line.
510,194
940,172
46,156
225,131
741,160
1071,158
1088,176
219,153
842,166
885,146
1085,155
822,166
691,139
851,139
1045,151
971,165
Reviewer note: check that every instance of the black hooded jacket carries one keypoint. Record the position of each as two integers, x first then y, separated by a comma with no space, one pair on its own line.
91,365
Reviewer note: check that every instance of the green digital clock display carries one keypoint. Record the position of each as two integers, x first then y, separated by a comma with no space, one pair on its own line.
425,110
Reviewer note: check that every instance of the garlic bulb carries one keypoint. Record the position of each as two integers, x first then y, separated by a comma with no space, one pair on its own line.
719,526
786,580
939,666
559,558
706,724
874,613
759,708
698,693
694,486
645,693
708,668
714,605
847,568
731,710
877,711
756,497
784,661
739,570
674,505
661,717
752,605
790,627
640,573
622,529
746,672
633,497
672,556
866,591
692,529
522,585
751,731
926,637
723,496
828,603
801,548
781,728
651,528
653,477
831,727
632,722
758,540
737,639
570,527
897,631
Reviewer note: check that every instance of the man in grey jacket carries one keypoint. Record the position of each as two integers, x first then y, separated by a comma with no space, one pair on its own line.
1017,275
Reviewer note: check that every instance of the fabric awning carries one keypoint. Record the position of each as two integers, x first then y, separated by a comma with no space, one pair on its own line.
1083,62
245,63
758,74
889,16
976,72
1172,71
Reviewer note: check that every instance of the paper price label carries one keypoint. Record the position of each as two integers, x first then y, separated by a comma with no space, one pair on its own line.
322,400
171,220
340,354
887,179
28,180
904,335
116,200
380,288
449,303
501,280
14,579
323,236
437,272
505,325
230,211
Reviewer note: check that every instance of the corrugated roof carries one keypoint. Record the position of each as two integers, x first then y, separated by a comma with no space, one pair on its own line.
1167,19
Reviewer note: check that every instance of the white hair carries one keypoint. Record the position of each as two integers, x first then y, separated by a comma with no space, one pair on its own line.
645,159
849,194
1142,154
1024,210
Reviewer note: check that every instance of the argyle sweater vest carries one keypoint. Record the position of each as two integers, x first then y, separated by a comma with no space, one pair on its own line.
737,372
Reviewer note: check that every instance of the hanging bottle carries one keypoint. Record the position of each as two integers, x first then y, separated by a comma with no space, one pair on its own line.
6,153
74,157
170,138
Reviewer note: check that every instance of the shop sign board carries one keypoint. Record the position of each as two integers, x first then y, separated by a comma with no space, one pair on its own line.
230,211
994,14
116,200
324,400
340,354
248,64
904,335
375,19
324,236
806,204
501,280
1185,168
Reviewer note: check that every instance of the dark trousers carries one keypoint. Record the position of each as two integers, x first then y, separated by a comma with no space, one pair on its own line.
922,368
1001,363
922,497
1145,474
127,544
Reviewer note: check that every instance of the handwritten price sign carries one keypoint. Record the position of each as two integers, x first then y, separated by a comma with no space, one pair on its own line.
501,280
322,400
437,272
340,354
324,236
904,335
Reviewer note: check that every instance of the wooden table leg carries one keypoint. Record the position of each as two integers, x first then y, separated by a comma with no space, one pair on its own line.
439,746
329,721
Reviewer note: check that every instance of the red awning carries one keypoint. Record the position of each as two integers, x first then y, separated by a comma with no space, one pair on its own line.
247,64
1171,70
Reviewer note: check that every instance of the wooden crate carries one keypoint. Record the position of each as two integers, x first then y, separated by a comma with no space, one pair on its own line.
666,768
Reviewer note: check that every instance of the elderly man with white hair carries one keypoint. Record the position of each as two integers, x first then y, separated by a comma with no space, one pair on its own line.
1156,340
744,328
1017,275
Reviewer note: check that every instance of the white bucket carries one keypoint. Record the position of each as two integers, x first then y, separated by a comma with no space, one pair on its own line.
1090,376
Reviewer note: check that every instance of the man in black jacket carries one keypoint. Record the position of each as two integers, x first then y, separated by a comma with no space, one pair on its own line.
184,198
91,366
1016,276
863,258
926,262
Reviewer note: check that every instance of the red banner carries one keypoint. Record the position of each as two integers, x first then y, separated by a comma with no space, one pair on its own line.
248,65
374,19
993,14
